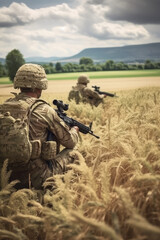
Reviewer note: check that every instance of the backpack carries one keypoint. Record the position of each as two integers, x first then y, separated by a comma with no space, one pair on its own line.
14,132
75,95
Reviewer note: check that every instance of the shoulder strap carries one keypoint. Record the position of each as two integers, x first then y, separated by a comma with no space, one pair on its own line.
34,105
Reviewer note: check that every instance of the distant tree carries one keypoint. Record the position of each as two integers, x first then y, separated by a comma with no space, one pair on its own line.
86,60
1,70
68,67
14,60
157,65
49,68
58,67
140,66
83,68
47,71
51,64
148,65
119,66
109,65
97,67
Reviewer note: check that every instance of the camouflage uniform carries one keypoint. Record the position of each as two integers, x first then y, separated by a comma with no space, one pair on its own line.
46,159
86,95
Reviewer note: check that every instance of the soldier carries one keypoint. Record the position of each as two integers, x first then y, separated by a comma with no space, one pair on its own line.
46,159
81,93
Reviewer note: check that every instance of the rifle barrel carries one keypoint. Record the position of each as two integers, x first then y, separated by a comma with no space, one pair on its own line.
108,94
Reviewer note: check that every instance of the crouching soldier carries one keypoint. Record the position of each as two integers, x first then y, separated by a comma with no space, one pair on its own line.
32,164
81,93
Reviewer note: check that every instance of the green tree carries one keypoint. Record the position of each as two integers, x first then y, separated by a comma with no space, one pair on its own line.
148,65
49,68
1,70
58,67
157,65
51,64
86,60
97,67
109,65
14,60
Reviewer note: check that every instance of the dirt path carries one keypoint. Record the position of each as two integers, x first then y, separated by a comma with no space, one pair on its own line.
109,84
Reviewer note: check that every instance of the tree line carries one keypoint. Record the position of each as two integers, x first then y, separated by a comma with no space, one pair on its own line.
86,65
15,59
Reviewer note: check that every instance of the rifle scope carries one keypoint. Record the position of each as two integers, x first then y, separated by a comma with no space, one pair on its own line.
60,105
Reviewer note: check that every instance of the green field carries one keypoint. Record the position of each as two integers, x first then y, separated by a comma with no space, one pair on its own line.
95,75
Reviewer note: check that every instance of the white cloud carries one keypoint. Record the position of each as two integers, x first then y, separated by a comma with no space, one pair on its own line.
64,31
20,14
16,14
119,31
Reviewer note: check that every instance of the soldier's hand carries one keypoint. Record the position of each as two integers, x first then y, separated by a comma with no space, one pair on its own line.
76,128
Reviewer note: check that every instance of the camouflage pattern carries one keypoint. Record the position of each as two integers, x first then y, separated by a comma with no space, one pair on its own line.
44,118
86,95
75,95
31,76
14,134
40,171
14,139
83,79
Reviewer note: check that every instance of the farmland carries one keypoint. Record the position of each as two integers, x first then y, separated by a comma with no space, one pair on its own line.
97,75
113,192
106,74
108,81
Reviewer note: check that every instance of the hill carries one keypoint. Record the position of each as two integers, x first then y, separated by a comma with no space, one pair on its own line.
127,54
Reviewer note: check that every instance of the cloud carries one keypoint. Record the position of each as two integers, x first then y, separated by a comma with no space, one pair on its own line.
135,11
82,20
119,31
96,2
62,30
15,15
36,3
96,25
19,14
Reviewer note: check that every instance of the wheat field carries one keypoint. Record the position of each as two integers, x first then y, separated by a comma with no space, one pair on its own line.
111,193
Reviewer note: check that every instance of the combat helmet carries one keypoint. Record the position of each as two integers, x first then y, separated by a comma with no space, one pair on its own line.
83,79
31,76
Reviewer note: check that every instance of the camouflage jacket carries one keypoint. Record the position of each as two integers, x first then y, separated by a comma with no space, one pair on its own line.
86,95
43,119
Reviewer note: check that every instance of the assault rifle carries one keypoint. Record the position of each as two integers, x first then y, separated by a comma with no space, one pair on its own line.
97,89
61,107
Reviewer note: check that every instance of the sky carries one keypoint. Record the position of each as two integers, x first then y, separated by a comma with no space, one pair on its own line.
57,28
